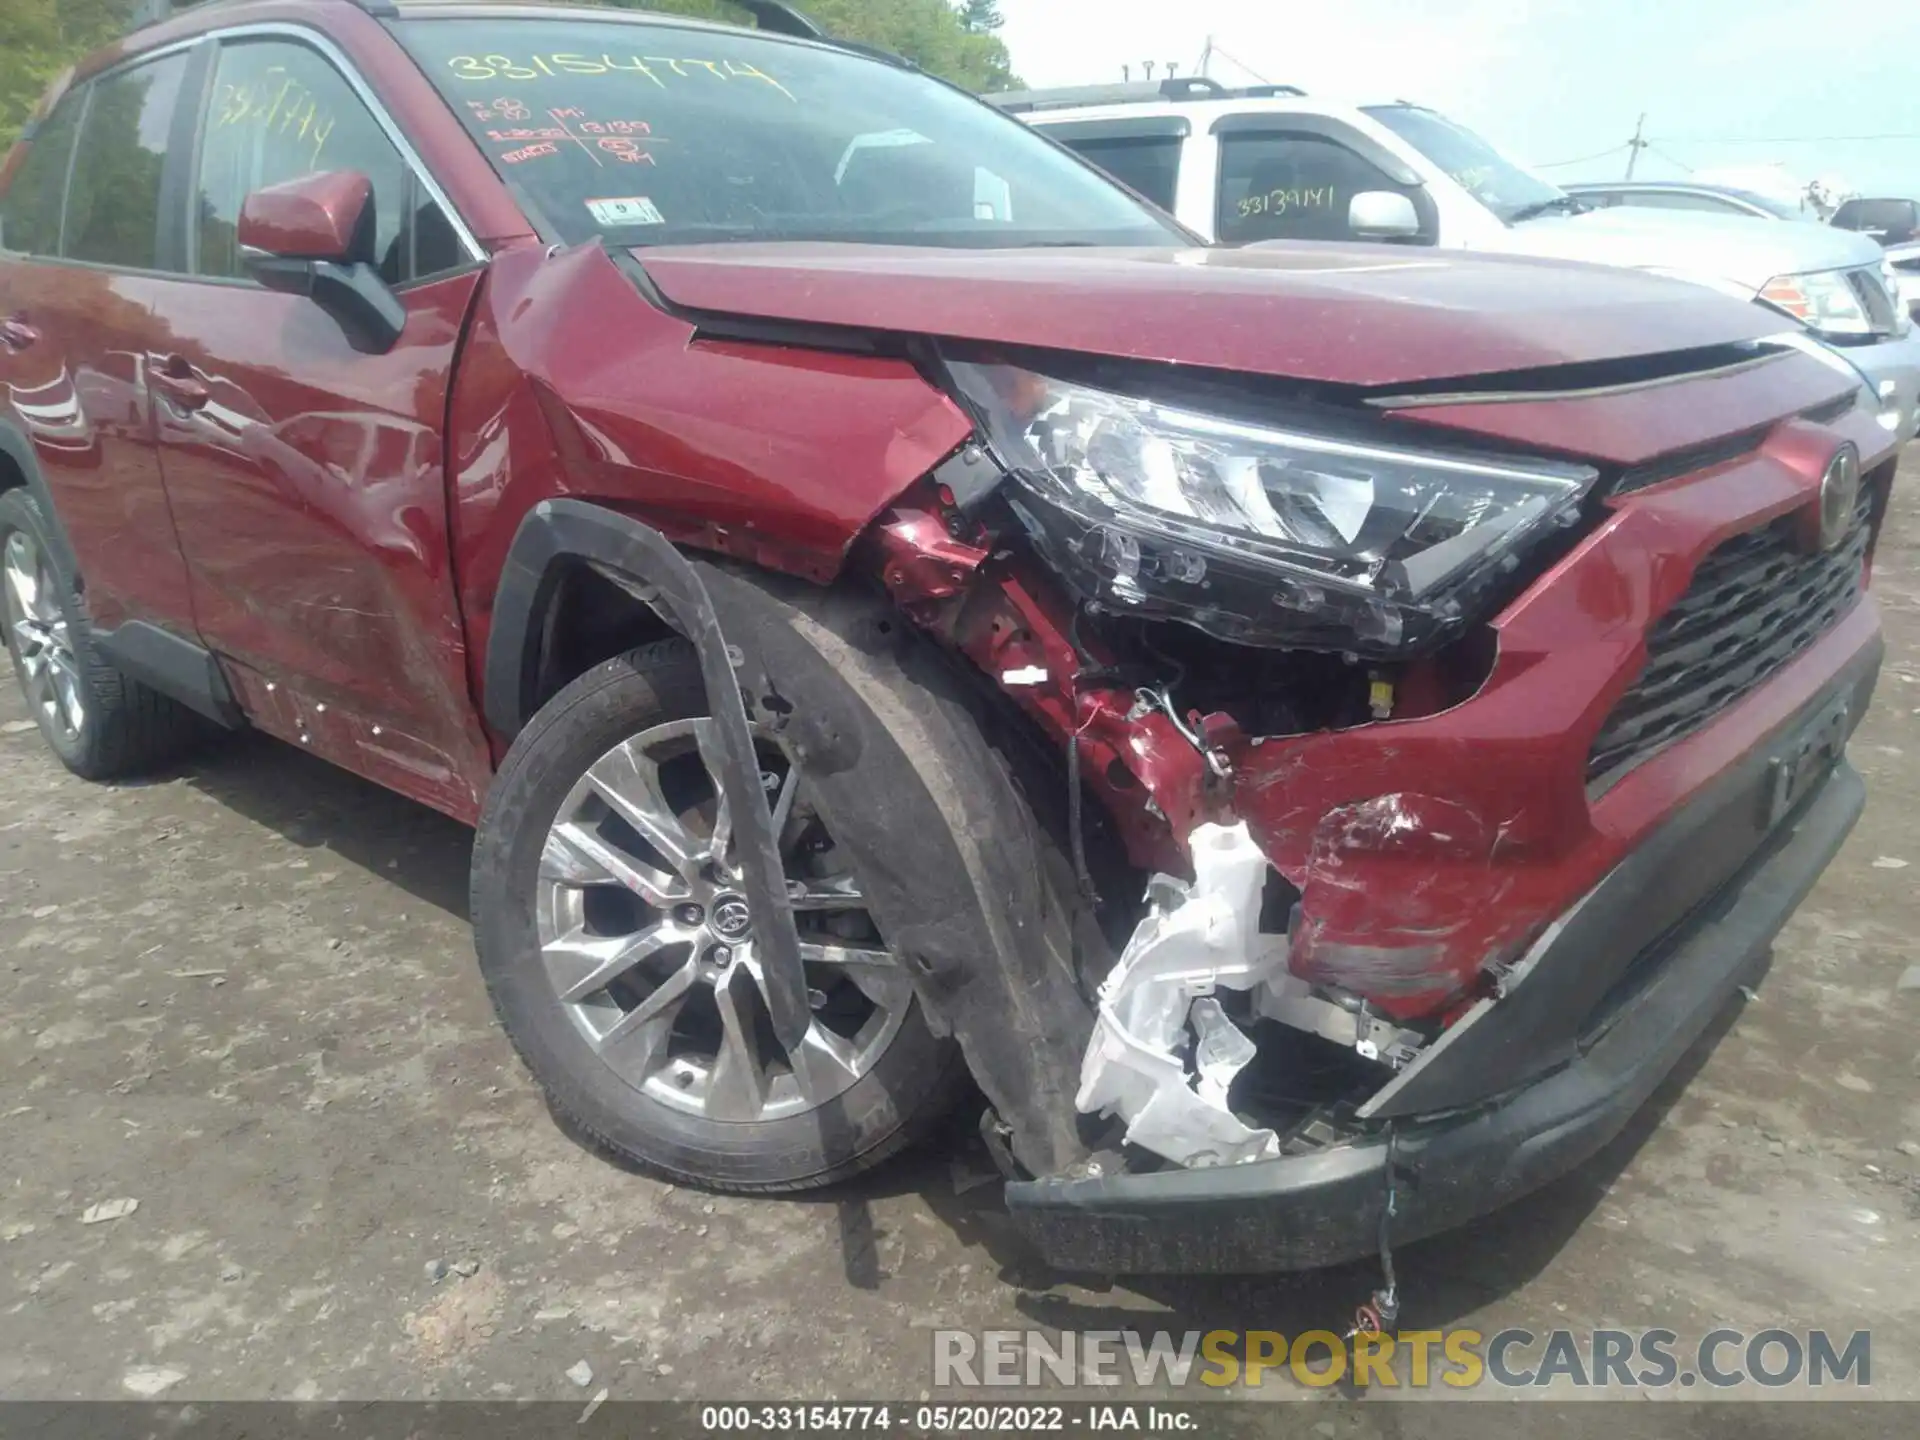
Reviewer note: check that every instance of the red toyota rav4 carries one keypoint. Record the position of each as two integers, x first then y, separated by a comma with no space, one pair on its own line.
1314,734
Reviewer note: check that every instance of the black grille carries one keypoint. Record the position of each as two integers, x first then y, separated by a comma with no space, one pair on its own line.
1756,601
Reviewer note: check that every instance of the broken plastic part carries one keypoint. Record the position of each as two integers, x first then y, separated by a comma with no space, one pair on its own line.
1220,1052
1195,938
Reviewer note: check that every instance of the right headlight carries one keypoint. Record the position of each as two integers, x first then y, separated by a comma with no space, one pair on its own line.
1263,534
1824,301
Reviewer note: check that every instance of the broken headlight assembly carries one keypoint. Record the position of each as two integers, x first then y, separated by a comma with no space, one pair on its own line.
1262,534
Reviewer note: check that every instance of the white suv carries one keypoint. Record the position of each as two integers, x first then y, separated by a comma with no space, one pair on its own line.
1270,163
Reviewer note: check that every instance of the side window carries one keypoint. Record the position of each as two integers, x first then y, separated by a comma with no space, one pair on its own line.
279,110
113,200
1146,164
1291,186
1681,200
30,210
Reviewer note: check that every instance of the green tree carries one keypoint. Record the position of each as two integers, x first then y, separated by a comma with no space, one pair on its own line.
981,16
39,39
932,33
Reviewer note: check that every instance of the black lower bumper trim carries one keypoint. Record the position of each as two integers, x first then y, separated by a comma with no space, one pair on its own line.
1320,1209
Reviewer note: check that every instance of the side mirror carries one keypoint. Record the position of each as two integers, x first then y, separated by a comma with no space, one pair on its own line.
314,237
1382,215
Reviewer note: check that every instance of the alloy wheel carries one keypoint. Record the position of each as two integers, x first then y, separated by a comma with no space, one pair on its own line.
41,639
649,943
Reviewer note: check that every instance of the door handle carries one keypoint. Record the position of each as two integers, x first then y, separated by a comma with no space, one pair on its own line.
177,382
16,333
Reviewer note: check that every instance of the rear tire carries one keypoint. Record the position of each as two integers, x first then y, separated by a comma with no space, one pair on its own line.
101,724
621,1057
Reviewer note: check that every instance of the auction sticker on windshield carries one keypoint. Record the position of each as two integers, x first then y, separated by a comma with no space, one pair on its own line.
627,210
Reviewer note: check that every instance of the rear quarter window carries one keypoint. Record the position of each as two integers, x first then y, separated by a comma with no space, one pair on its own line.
30,210
1149,165
113,201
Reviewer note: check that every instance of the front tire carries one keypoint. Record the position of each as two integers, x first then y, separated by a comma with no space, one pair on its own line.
620,958
101,724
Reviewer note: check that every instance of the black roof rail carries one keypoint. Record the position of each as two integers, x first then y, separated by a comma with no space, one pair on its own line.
782,19
1137,92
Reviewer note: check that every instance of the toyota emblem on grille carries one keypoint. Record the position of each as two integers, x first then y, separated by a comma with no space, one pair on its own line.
1839,495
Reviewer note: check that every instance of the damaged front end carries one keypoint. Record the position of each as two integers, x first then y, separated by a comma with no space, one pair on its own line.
1184,597
1341,703
1199,939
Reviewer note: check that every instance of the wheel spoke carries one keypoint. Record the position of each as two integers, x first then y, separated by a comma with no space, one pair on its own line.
737,1086
33,660
583,965
783,805
574,855
46,607
629,781
65,680
23,576
877,974
825,1064
638,1040
835,893
660,1005
706,735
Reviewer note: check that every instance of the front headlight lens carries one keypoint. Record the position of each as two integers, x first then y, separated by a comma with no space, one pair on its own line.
1825,302
1171,509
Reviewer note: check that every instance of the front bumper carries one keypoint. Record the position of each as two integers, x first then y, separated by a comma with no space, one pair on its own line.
1892,370
1325,1207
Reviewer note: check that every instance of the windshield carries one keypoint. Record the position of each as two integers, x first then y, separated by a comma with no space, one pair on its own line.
652,134
1492,179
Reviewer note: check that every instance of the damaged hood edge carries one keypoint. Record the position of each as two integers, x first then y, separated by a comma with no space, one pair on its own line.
1364,316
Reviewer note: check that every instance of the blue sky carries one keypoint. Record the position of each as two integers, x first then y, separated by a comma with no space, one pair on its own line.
1723,82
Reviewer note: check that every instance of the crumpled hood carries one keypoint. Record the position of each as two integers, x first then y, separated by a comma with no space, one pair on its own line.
1346,314
1745,251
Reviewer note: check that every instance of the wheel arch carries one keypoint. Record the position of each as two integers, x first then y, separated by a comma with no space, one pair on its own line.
561,545
963,877
20,468
557,534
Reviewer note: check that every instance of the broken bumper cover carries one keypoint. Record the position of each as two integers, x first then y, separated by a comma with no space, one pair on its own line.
1321,1208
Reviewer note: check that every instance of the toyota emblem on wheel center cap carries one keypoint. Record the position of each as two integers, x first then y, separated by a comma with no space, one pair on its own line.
730,918
1839,495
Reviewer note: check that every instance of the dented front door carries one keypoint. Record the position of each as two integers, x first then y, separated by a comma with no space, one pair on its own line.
306,477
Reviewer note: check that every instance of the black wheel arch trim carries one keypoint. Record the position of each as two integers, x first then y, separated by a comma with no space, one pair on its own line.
558,530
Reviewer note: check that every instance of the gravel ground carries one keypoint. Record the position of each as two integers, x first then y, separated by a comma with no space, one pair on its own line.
243,995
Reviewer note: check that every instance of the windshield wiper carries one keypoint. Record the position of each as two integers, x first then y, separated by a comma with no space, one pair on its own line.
1570,204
